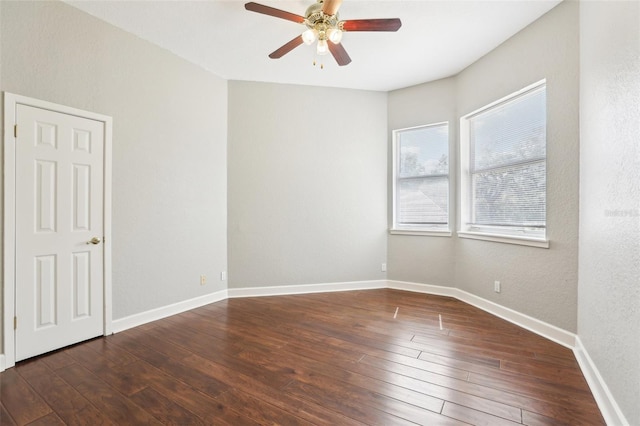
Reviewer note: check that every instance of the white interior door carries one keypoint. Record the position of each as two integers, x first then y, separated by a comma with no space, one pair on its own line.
59,254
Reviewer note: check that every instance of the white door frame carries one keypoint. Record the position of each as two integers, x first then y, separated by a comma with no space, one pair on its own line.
11,101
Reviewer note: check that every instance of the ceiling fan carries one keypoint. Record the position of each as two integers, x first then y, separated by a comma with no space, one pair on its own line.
324,25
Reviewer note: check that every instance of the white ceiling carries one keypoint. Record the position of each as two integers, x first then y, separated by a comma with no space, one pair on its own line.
437,39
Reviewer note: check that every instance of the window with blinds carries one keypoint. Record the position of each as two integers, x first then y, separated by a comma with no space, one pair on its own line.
507,166
421,174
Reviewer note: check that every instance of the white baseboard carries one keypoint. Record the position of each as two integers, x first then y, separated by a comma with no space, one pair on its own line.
305,288
3,366
541,328
607,404
436,290
126,323
549,331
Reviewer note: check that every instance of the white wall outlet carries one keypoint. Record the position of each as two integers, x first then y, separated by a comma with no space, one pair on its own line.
203,279
223,276
496,286
383,267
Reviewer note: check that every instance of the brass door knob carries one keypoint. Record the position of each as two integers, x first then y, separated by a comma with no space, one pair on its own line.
94,240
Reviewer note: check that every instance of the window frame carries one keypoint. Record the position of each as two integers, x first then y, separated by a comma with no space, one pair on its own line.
488,233
420,230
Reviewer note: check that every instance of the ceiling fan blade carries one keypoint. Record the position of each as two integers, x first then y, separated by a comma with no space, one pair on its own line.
341,56
330,7
390,24
286,48
272,11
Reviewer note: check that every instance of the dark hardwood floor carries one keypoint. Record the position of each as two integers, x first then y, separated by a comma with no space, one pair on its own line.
333,358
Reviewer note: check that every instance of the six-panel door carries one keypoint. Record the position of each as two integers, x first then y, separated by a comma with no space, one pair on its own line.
59,210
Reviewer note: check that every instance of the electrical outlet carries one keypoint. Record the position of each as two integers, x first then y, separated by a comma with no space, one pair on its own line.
383,267
496,286
223,276
203,279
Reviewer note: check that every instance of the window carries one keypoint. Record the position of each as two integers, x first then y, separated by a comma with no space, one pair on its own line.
503,151
421,179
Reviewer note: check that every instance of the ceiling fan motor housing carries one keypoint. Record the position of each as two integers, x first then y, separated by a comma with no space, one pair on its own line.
316,19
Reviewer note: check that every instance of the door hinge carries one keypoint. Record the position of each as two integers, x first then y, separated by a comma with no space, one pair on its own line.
15,130
15,323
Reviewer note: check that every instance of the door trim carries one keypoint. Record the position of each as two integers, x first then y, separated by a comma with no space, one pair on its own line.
11,101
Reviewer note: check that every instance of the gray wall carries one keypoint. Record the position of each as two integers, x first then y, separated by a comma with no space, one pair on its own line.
609,285
307,184
1,200
169,144
420,259
307,171
537,282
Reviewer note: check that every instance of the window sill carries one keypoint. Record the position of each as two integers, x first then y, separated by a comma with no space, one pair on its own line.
507,239
420,232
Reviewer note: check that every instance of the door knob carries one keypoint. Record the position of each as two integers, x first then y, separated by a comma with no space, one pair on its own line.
94,240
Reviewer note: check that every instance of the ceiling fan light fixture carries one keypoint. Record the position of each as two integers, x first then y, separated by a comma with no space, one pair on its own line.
334,35
323,47
324,25
309,36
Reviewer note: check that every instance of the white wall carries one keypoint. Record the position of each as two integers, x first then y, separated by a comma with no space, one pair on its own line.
307,184
169,144
609,284
538,282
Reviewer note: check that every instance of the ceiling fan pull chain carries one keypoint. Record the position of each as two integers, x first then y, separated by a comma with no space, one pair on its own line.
321,64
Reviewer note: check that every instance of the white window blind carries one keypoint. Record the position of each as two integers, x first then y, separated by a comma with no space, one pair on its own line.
422,177
507,166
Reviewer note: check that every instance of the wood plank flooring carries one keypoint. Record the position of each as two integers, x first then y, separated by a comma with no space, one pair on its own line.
376,357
